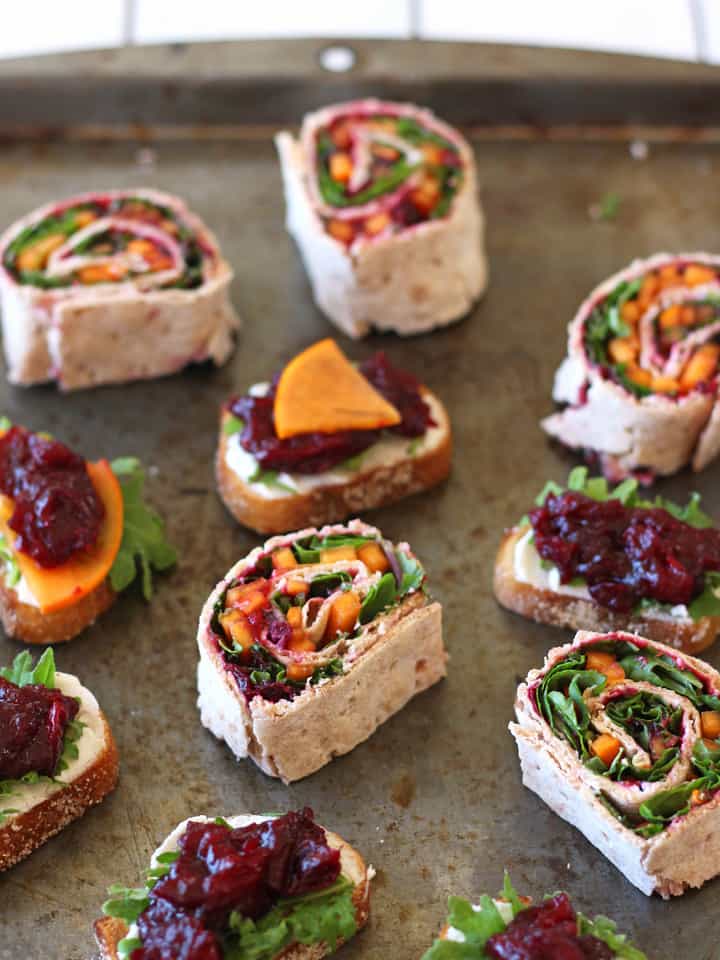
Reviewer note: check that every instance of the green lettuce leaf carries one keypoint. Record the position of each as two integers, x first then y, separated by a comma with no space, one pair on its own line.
233,425
308,549
143,542
606,930
379,597
413,573
269,478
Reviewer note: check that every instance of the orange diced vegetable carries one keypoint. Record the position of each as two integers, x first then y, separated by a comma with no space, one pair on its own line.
426,195
670,276
36,255
606,747
710,724
341,230
102,273
711,744
236,628
374,557
671,317
294,617
648,290
84,217
295,587
300,671
614,673
643,378
432,154
623,349
321,391
283,559
251,602
598,660
341,167
665,385
630,312
340,136
696,273
701,366
141,246
376,224
237,593
343,615
688,316
698,797
333,554
58,587
385,152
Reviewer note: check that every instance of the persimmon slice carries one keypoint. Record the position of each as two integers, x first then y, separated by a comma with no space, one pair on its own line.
62,586
320,391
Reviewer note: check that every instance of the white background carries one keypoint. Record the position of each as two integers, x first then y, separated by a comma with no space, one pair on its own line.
683,29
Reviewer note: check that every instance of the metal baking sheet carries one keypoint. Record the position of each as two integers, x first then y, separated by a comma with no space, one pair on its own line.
434,798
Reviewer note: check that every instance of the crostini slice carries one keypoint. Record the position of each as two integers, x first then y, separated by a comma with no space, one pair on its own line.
326,467
509,925
590,556
311,642
57,754
289,888
620,736
73,535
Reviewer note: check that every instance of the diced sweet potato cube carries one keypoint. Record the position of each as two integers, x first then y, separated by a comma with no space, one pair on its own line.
606,747
670,276
300,671
696,274
649,288
643,378
294,617
376,224
598,660
102,273
374,557
385,152
665,385
341,167
432,154
251,602
84,217
283,559
698,797
341,136
241,590
333,554
671,317
236,628
36,255
341,230
614,673
343,615
710,724
700,367
426,195
630,312
295,587
688,316
623,350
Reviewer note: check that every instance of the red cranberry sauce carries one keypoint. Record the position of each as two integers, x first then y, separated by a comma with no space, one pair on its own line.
57,510
623,553
547,932
33,721
317,452
221,870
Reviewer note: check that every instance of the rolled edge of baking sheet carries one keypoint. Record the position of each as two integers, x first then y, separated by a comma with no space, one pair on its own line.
382,201
639,384
112,286
613,736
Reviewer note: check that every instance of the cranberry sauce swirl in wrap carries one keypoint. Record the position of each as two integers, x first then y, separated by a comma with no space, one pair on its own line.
382,202
110,287
640,378
620,736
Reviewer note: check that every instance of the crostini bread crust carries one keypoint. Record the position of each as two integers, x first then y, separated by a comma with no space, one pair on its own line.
23,833
577,613
686,854
22,621
364,490
293,738
109,931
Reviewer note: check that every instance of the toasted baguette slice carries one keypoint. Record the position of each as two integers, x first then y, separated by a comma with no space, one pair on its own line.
277,510
23,621
45,808
110,931
579,613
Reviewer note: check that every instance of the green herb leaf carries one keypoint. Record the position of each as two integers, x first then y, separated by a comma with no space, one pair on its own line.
143,542
381,595
269,478
232,425
606,930
22,672
413,573
609,206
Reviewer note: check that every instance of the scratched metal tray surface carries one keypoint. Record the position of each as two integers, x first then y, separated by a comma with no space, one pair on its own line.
433,800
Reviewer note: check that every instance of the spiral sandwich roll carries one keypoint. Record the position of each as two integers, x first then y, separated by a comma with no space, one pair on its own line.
640,379
110,287
381,200
620,736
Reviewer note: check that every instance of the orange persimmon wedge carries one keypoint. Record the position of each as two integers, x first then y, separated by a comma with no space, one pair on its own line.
320,391
58,587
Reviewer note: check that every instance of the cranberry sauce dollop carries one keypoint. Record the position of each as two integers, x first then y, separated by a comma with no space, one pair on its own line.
624,554
57,510
547,932
317,452
221,870
33,720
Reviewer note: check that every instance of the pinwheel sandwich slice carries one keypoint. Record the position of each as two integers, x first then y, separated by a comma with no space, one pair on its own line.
112,286
594,557
639,385
57,754
382,203
73,535
326,440
620,736
246,886
510,926
311,642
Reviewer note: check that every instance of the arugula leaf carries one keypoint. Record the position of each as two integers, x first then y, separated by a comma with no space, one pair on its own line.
606,930
333,668
269,478
381,595
707,604
143,540
233,425
353,463
414,445
477,926
510,894
22,672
